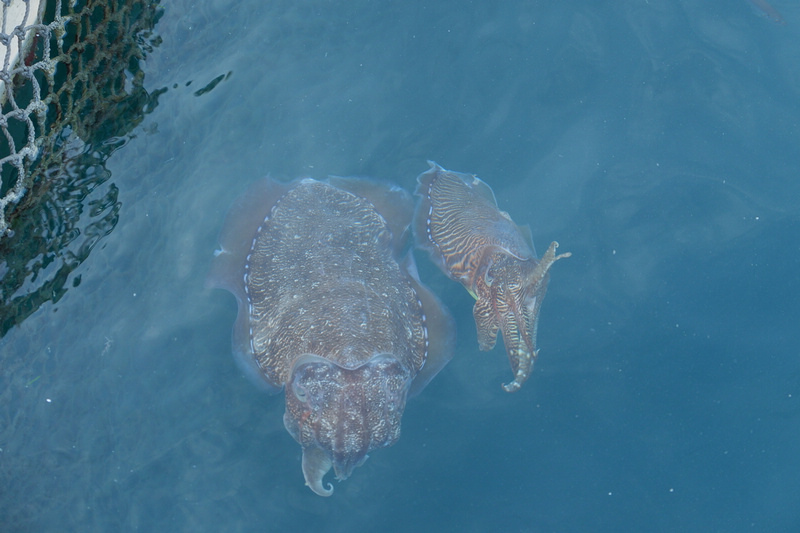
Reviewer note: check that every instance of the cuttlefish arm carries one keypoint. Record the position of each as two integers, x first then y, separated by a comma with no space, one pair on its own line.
316,464
509,293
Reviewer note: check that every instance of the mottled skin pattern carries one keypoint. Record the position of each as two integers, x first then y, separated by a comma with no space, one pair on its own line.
473,242
322,280
327,313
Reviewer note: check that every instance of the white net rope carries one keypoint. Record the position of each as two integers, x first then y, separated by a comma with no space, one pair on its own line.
66,66
71,92
17,122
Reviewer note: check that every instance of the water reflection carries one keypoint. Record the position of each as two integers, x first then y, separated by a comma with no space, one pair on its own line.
87,108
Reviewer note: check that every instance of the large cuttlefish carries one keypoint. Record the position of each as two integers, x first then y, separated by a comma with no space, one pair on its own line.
328,314
472,241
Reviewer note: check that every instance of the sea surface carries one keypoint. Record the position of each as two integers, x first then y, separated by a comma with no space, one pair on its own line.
658,141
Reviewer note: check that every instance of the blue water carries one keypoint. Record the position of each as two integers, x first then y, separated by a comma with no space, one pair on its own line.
657,141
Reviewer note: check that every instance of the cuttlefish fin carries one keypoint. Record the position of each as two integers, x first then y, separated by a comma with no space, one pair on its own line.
422,213
440,326
245,215
527,237
227,270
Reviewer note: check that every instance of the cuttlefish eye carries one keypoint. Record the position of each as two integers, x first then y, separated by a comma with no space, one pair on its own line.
309,373
299,391
488,276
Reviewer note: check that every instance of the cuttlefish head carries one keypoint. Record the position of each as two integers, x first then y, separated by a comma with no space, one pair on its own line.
509,294
339,414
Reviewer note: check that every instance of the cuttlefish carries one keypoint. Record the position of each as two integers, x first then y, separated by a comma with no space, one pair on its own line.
473,242
328,313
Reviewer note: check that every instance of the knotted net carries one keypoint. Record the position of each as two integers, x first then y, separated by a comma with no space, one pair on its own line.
71,89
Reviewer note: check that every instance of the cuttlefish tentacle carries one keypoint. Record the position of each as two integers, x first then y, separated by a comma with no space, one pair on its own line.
520,334
315,465
542,269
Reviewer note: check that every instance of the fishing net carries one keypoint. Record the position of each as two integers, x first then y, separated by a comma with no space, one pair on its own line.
71,89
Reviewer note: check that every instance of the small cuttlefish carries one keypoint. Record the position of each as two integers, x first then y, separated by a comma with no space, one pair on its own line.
472,241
